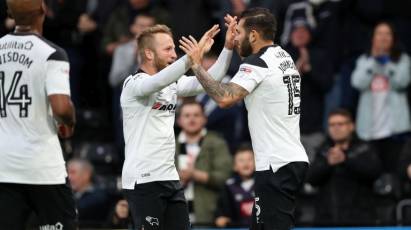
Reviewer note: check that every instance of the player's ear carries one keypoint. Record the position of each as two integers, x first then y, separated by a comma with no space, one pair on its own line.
149,54
253,36
43,7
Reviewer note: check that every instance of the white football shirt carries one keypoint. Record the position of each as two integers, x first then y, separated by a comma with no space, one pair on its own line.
148,106
273,106
31,68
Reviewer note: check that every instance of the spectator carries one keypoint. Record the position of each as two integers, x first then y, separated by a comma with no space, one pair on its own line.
60,26
203,162
316,76
116,31
92,203
125,55
93,88
199,12
382,77
344,169
120,216
236,201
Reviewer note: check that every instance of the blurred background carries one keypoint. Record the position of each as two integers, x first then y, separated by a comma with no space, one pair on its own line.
355,69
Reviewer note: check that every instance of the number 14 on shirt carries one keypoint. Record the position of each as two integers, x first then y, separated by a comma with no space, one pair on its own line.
20,98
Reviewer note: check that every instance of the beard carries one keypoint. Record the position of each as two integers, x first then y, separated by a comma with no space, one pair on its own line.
245,49
159,63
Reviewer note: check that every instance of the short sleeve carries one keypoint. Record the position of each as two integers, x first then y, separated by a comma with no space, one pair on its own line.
249,76
57,73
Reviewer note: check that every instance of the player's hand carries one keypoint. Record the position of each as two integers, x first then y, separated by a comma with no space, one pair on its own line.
65,131
230,23
192,49
207,40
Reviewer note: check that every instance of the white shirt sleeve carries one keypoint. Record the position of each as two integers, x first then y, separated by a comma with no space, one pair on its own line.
57,77
249,76
144,86
190,86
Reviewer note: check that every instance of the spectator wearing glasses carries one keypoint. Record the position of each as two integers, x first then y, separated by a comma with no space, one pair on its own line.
344,170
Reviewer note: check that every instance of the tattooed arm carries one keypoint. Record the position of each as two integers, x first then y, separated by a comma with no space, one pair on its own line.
225,94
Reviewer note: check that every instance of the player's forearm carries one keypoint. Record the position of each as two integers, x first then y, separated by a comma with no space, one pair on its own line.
211,86
191,86
222,93
64,112
165,77
219,69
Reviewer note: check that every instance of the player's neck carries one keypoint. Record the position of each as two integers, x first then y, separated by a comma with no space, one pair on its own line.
258,45
28,29
148,68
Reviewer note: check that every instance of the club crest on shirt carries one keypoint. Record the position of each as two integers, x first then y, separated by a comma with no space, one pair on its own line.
152,220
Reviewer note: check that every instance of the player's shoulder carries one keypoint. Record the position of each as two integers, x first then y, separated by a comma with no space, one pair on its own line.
59,54
39,45
255,60
138,75
258,59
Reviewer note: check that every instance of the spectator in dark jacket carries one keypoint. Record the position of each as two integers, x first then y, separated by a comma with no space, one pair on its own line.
344,170
92,202
236,201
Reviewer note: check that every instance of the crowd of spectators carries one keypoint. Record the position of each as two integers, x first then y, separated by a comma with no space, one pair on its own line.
355,114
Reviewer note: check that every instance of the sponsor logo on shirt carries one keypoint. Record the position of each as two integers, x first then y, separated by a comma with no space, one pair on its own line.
246,70
164,107
57,226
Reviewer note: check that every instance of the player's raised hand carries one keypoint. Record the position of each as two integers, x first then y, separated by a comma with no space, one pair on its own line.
230,23
207,40
192,49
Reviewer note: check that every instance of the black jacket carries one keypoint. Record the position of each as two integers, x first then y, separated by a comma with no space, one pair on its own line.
345,190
